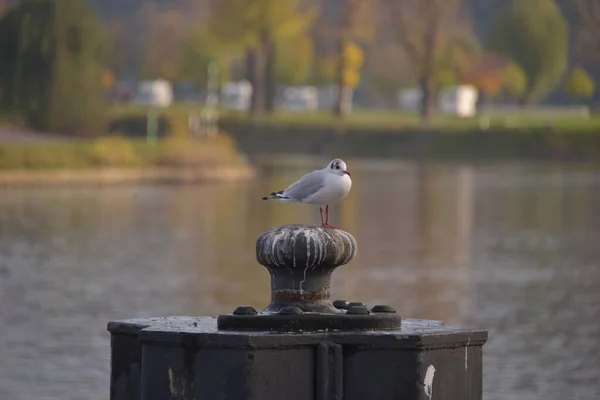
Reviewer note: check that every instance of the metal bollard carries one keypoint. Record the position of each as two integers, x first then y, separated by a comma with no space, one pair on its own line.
301,346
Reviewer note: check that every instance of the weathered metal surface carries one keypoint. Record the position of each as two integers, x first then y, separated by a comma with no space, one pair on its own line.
336,350
126,354
188,358
300,260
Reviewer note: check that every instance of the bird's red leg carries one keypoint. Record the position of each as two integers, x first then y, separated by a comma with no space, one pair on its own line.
326,224
321,212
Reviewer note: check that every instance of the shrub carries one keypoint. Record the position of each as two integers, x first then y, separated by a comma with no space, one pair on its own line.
580,84
187,152
115,151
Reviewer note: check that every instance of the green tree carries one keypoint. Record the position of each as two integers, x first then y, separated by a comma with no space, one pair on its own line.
199,50
580,84
294,60
357,23
436,42
534,34
52,65
257,25
514,81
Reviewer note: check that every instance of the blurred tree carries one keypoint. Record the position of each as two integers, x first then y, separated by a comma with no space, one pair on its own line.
199,50
119,57
493,75
52,64
353,57
580,84
161,51
486,73
436,42
357,23
257,25
294,59
514,82
534,34
324,69
587,32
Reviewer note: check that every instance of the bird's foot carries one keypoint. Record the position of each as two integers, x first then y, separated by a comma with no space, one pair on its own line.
327,226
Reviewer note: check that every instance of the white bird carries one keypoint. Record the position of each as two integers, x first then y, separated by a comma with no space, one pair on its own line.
321,187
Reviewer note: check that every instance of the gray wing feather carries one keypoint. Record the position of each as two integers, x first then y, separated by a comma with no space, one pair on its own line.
305,186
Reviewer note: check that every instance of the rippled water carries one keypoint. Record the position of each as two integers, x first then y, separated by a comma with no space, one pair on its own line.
513,248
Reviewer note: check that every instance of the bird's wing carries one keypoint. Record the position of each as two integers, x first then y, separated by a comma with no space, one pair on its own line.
306,186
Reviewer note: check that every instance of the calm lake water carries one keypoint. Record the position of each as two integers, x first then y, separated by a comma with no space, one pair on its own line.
513,248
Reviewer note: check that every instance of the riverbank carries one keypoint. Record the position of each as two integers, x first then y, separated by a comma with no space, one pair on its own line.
391,134
115,160
115,176
133,117
543,143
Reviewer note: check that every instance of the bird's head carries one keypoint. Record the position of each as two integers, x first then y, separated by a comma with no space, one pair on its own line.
338,166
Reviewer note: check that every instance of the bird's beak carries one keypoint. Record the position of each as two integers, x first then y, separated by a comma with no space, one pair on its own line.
347,173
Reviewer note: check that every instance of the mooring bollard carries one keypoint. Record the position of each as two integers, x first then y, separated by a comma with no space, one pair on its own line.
301,346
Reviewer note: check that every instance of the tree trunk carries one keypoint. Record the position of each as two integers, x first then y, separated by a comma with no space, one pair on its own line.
255,77
428,99
270,81
338,109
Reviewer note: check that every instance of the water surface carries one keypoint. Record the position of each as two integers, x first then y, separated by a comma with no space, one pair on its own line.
513,248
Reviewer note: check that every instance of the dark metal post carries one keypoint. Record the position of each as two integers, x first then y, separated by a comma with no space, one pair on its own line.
301,346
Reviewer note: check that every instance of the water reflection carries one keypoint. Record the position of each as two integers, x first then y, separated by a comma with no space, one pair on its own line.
511,247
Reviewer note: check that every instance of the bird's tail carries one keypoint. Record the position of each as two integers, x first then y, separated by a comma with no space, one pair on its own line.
276,196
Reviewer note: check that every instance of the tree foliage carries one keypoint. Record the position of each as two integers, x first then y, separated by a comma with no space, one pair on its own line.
165,30
324,69
514,82
357,22
493,74
353,59
201,48
257,25
436,42
533,33
243,21
580,84
486,73
52,65
294,59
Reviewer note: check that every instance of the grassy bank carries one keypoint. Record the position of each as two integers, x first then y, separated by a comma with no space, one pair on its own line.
132,118
497,144
391,134
119,152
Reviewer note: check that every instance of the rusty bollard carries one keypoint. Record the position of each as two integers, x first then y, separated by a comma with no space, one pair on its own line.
302,345
300,260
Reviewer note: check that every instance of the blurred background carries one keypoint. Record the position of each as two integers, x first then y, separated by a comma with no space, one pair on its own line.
137,139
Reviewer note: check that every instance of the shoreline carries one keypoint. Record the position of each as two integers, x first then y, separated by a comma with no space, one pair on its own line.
471,145
115,176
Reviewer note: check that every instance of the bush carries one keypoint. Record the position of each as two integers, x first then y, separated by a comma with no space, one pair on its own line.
533,33
121,152
186,152
580,84
47,156
115,151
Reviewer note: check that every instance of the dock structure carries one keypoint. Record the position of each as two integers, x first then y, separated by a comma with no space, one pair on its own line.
302,346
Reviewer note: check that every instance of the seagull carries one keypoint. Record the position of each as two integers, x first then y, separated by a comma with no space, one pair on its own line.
321,187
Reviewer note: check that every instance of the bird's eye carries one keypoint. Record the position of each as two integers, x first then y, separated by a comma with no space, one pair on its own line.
337,167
